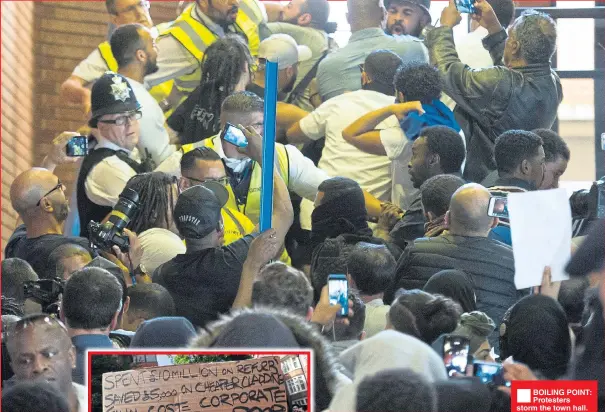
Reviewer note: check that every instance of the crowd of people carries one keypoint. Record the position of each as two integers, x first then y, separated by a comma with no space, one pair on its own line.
388,151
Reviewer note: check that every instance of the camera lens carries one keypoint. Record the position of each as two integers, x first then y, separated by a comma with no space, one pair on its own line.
124,209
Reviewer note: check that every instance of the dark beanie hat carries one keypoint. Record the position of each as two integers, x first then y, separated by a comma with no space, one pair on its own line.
164,332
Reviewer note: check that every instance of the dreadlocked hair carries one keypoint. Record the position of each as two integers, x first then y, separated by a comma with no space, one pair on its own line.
222,67
156,200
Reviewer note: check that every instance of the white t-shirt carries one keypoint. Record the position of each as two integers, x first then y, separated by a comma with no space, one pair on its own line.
399,150
93,66
153,136
159,246
339,158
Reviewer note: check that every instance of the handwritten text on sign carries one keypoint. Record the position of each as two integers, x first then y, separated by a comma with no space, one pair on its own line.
255,385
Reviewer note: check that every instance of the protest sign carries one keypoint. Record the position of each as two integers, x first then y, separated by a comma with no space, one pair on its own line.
255,385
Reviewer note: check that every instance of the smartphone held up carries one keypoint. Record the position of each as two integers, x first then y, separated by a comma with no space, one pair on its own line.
77,146
456,354
338,291
498,207
490,372
466,6
232,134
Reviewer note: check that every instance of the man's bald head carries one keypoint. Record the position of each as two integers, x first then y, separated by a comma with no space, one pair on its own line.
30,187
468,211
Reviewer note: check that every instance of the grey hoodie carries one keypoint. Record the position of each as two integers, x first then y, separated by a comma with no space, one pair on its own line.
388,349
329,372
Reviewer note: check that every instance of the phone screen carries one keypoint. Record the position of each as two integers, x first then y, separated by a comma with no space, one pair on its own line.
338,290
465,6
490,373
455,354
234,135
77,146
498,207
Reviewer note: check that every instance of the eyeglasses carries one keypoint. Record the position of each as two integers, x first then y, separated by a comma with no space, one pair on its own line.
59,186
50,320
361,68
122,120
144,4
222,180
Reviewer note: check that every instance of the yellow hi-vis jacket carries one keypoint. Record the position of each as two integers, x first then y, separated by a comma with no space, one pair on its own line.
159,92
251,209
196,38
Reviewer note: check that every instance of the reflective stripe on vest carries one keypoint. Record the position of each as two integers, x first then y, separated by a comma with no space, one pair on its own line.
252,207
160,92
196,38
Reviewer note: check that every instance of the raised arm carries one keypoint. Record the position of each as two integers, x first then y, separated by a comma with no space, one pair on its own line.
283,214
471,89
363,133
74,90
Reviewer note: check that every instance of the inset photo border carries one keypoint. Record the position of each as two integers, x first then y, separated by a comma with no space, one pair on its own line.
165,380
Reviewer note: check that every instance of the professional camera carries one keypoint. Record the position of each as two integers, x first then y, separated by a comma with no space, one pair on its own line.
105,236
45,292
589,204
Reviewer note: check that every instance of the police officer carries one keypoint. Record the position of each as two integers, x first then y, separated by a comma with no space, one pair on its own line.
115,159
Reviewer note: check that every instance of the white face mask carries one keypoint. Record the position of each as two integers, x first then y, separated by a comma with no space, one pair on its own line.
237,165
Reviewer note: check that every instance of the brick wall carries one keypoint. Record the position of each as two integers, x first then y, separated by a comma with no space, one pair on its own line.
43,42
17,21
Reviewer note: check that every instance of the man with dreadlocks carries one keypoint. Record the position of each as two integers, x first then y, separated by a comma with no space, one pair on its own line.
226,69
153,222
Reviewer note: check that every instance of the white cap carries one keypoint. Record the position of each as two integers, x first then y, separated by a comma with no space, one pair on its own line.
282,48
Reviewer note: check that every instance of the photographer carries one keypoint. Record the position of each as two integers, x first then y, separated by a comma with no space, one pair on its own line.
15,272
38,196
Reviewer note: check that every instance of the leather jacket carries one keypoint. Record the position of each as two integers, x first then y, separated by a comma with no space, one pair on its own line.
493,100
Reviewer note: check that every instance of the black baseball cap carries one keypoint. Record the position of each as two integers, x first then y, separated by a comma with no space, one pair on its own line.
111,94
198,209
590,256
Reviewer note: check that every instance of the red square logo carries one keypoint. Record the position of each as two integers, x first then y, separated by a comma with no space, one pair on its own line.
554,396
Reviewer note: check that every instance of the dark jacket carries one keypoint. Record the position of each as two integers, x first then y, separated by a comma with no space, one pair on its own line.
488,263
330,257
493,100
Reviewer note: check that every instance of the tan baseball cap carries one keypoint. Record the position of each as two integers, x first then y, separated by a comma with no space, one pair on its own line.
284,50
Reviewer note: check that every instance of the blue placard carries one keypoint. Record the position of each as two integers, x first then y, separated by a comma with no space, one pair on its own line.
266,191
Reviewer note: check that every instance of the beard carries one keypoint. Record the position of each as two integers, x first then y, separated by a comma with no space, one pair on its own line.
290,86
151,67
61,211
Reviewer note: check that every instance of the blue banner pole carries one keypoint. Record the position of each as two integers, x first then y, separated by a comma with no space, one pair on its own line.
266,191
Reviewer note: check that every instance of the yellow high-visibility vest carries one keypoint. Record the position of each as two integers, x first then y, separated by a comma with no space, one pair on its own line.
160,92
196,38
252,206
236,223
